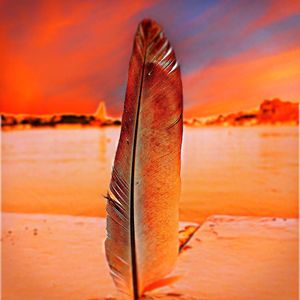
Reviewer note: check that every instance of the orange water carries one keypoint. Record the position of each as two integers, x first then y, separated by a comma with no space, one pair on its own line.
238,171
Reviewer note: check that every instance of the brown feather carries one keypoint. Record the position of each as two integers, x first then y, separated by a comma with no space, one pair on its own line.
142,209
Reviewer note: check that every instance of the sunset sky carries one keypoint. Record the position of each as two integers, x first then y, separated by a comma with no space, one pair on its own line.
66,56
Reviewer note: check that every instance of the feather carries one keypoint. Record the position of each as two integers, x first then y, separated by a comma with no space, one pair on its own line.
142,203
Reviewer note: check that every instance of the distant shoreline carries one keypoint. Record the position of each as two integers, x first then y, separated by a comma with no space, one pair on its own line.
80,126
271,112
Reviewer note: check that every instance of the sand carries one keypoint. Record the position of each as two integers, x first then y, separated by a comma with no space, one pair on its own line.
53,257
241,258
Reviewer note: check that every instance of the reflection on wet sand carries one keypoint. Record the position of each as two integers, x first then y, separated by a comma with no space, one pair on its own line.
240,171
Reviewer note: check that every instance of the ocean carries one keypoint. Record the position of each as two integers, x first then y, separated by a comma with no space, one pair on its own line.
245,171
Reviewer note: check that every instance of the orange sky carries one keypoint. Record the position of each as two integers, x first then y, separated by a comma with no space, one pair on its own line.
59,56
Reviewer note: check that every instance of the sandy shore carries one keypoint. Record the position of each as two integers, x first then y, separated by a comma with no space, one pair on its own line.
53,257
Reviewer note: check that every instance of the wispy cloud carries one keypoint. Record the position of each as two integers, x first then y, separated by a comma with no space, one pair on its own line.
68,55
242,82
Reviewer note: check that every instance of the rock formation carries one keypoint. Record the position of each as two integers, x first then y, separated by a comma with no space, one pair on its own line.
276,111
100,113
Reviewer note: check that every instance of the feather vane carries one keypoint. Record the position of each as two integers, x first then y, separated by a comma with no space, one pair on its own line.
142,203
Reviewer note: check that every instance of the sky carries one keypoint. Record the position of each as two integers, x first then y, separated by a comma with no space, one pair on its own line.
67,56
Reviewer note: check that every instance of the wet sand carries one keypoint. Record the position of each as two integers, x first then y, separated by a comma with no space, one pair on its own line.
53,257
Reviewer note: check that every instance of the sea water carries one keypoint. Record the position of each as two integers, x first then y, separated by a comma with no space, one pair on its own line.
225,170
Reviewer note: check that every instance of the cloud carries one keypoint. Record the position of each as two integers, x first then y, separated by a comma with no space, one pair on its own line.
62,48
275,12
243,82
66,56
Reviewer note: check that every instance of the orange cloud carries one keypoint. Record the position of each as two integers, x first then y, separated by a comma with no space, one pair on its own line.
243,82
65,58
276,11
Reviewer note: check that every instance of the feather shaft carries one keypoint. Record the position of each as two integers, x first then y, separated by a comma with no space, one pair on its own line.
132,228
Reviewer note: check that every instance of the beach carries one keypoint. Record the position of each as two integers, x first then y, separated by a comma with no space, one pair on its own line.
239,185
121,120
53,257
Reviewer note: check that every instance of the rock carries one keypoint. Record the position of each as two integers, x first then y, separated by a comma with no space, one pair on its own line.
100,113
277,111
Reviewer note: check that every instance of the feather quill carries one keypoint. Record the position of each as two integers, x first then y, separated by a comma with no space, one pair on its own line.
142,202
